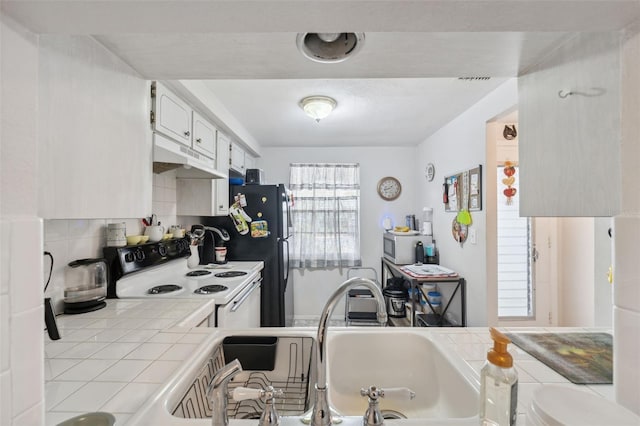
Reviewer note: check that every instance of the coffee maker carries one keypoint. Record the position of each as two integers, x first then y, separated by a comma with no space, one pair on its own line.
85,286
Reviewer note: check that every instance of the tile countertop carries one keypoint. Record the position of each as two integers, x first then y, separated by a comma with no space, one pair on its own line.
114,359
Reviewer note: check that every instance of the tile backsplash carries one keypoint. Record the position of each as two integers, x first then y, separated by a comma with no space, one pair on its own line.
71,239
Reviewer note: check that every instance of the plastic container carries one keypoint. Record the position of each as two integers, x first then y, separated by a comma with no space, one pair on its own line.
256,353
427,220
434,297
498,385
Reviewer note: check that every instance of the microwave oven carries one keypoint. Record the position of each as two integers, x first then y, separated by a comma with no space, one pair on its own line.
401,249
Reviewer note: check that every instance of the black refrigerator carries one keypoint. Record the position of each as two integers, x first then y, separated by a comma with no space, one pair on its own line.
269,207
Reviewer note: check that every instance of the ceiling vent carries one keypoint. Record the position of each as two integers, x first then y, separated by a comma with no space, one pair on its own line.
474,78
329,47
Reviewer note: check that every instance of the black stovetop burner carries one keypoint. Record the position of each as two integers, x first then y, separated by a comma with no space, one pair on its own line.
198,273
162,289
209,289
230,274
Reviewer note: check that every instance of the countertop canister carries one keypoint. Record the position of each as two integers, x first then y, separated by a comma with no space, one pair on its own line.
116,234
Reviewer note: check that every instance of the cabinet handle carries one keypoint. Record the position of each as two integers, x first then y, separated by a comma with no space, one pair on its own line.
199,140
187,133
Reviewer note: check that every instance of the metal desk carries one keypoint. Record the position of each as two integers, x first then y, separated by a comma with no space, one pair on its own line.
459,282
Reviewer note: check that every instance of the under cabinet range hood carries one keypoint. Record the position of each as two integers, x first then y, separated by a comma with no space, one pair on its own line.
170,155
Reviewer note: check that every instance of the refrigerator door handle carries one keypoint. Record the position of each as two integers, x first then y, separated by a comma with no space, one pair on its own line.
286,278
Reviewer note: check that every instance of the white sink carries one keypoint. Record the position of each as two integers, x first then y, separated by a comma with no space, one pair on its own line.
445,386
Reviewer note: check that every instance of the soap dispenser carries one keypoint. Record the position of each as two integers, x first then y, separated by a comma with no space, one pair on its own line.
498,385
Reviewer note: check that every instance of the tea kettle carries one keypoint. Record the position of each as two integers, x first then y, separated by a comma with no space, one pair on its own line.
85,286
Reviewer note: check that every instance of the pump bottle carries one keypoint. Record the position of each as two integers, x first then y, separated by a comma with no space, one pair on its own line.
499,385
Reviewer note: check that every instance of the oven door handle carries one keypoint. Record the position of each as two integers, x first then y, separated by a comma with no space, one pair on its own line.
245,295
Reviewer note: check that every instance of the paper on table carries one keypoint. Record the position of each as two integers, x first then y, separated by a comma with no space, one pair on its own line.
429,270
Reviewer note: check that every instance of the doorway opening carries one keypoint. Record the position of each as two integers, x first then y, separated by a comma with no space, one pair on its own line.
519,276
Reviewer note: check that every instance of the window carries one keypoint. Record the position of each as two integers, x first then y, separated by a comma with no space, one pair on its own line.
515,245
326,215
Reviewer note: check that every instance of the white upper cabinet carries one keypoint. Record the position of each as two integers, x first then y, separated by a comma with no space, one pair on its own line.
222,185
172,116
94,143
237,158
204,136
249,161
175,119
569,135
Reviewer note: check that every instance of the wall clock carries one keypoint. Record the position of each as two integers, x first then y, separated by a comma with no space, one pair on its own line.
430,172
389,188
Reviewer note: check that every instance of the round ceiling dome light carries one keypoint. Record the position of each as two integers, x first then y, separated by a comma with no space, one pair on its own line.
318,107
329,47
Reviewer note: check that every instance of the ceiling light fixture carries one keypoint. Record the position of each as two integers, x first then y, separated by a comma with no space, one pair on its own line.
318,107
329,47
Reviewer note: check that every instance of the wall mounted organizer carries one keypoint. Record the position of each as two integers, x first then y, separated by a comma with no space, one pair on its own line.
461,187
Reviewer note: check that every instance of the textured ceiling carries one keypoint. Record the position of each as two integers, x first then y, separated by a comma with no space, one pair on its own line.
401,87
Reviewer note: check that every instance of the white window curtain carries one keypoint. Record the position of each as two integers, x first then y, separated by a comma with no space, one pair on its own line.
326,215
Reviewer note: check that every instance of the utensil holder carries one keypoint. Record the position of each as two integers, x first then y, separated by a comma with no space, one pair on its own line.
194,260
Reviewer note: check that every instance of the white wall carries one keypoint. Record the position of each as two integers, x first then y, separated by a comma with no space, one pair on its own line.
313,287
21,309
458,146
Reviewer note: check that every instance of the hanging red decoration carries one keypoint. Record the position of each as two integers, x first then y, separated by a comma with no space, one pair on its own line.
509,170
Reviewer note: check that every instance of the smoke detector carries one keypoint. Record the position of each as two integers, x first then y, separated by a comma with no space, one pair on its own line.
329,47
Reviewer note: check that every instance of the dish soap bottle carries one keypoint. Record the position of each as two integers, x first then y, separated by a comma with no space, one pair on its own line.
498,384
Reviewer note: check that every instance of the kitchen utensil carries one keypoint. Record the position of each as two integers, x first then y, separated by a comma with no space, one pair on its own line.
196,235
86,286
133,239
155,232
116,234
221,254
194,260
395,299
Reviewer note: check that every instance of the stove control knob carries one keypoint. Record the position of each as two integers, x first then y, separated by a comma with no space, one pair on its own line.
162,250
139,255
128,257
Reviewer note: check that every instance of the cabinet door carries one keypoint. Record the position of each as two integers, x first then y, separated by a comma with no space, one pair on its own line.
570,144
94,136
249,161
237,158
204,136
172,115
222,185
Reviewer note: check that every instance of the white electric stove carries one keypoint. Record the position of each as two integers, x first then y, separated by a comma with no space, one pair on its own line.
159,270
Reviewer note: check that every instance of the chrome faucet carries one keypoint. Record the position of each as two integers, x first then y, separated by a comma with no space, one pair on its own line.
321,413
217,392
